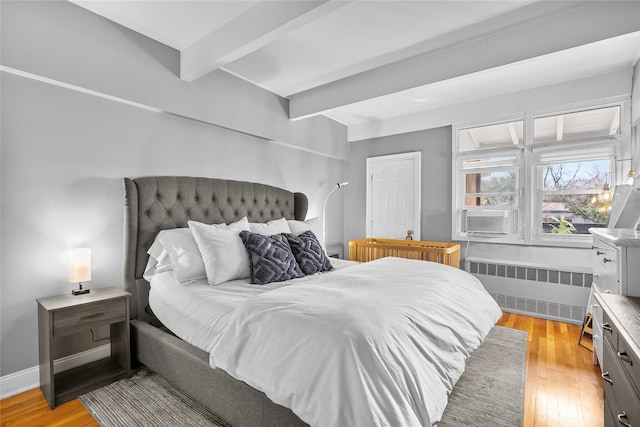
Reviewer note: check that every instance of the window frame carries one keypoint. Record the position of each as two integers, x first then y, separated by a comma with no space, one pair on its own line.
528,208
459,182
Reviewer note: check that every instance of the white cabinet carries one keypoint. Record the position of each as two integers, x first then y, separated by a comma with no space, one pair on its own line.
616,270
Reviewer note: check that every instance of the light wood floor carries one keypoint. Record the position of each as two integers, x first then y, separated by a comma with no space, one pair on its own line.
563,387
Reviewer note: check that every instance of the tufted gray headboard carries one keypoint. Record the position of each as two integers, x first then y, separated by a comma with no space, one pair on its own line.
152,204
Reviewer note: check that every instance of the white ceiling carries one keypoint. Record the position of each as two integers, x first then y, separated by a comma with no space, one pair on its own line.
366,61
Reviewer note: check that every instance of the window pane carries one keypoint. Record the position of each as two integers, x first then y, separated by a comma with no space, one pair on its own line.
502,200
572,214
496,188
490,182
587,175
493,136
581,124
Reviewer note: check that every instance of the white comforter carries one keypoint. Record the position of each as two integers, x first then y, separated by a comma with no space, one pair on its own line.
378,344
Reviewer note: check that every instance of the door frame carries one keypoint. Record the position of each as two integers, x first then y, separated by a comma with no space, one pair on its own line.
416,156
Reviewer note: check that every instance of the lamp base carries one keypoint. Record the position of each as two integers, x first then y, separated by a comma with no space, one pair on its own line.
79,291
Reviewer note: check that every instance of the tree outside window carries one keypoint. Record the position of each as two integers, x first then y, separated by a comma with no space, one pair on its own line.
570,195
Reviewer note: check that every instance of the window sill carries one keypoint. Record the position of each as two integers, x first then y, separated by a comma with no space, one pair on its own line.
571,242
585,241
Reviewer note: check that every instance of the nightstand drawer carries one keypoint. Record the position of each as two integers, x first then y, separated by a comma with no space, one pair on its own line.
81,317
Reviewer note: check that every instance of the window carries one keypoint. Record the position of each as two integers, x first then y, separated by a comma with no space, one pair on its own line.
544,186
489,170
491,136
569,202
490,181
577,125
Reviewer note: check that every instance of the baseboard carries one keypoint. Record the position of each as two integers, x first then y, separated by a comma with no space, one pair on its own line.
29,378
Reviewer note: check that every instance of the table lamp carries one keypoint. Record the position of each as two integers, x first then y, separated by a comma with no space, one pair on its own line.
79,268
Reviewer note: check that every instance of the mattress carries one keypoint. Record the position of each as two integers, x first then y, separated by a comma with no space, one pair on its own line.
374,344
197,312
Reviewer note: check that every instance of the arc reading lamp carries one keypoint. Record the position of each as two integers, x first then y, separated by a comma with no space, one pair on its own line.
324,211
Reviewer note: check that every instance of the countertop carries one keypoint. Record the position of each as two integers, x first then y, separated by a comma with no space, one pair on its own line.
618,236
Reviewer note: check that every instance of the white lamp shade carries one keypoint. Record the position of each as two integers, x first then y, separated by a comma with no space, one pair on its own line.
79,265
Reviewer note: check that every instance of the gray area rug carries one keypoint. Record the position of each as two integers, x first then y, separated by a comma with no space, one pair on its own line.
146,399
490,393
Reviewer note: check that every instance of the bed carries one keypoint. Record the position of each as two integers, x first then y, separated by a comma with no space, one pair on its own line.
153,204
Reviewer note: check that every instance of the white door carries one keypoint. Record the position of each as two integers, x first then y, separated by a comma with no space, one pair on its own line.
393,196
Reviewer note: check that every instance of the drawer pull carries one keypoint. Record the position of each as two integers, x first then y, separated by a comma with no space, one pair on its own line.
91,316
622,419
606,260
599,253
605,376
623,356
606,327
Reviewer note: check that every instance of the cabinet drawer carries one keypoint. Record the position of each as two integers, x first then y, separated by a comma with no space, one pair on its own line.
597,331
606,259
609,332
606,283
81,317
619,394
610,419
630,363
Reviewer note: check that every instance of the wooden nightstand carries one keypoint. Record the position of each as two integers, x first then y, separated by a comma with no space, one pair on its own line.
68,314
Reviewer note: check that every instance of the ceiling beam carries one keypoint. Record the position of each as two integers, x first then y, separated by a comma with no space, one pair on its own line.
259,25
611,87
555,26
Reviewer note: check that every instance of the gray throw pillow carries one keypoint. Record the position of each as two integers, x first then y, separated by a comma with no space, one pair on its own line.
308,252
270,258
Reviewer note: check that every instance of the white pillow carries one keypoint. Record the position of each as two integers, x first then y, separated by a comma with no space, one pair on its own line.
160,251
313,224
185,257
224,255
270,228
177,250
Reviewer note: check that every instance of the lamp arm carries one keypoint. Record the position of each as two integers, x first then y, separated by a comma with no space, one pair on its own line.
324,211
324,215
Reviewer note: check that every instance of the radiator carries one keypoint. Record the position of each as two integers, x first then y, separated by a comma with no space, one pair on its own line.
537,291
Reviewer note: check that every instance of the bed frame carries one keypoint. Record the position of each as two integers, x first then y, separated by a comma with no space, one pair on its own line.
152,204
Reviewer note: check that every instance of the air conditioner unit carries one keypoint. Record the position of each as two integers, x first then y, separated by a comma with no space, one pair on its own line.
488,221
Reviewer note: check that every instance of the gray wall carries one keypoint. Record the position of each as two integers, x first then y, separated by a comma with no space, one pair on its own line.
65,149
435,146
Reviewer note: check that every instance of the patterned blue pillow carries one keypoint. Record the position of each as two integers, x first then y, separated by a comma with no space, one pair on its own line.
270,258
308,252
